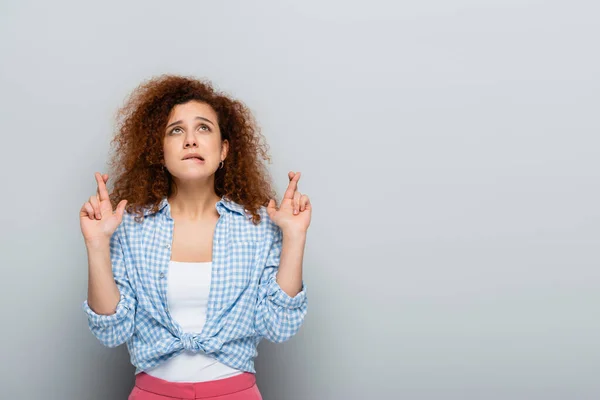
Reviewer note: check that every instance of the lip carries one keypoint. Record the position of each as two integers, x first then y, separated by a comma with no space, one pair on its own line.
194,160
193,157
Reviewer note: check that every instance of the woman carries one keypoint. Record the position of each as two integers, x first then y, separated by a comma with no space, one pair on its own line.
196,264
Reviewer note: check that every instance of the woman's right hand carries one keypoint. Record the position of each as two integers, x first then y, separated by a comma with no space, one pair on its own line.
97,219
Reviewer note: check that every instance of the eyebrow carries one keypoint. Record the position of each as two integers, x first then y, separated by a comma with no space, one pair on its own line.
181,121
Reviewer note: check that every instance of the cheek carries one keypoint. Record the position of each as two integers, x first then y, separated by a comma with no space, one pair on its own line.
214,149
169,151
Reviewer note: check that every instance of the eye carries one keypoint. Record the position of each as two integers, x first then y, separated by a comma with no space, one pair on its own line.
174,129
205,126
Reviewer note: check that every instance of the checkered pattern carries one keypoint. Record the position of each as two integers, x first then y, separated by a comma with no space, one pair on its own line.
245,302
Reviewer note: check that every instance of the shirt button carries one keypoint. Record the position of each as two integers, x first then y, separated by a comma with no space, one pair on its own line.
162,275
167,246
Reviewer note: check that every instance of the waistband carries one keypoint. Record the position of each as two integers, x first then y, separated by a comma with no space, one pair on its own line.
195,390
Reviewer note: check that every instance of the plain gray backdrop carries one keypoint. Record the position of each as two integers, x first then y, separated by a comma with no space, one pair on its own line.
450,149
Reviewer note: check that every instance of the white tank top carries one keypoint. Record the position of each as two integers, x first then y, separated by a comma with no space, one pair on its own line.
187,294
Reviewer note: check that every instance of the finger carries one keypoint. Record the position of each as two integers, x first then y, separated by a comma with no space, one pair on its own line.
102,192
308,205
303,202
96,205
101,184
88,210
292,186
297,196
105,179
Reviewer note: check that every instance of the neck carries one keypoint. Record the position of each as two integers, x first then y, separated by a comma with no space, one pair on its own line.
193,201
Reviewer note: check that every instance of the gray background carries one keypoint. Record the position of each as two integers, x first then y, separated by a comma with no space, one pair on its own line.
449,148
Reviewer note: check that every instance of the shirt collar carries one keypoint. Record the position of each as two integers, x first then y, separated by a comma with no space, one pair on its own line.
164,206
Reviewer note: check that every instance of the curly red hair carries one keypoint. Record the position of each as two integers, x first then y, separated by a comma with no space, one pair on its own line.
138,142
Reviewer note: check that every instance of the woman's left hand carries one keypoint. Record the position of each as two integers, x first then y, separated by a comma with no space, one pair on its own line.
294,212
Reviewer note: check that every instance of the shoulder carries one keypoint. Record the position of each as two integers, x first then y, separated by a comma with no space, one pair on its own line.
265,230
129,224
129,218
270,226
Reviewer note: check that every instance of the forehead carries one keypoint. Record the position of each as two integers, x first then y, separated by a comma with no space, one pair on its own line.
192,109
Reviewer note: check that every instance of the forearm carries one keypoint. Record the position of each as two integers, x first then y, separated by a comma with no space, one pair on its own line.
103,293
289,276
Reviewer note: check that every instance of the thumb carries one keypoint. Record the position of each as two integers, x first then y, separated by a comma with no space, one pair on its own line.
271,207
121,209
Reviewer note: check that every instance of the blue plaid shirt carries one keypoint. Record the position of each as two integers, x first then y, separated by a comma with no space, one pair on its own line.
245,302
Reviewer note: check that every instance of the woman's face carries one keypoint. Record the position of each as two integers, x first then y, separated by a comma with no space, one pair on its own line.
193,128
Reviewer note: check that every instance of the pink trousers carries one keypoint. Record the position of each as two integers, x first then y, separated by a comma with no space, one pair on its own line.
239,387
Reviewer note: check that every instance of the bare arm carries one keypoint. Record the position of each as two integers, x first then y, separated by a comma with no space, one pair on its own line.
111,302
103,294
282,303
289,275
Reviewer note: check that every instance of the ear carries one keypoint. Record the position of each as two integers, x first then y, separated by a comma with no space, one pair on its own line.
224,149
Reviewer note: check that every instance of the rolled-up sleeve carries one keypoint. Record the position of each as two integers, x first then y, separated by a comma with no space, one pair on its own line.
278,315
115,329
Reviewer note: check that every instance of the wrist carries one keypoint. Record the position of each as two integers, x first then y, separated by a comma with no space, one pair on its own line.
97,243
294,235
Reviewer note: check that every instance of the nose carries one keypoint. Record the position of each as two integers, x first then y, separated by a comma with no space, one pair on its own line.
190,141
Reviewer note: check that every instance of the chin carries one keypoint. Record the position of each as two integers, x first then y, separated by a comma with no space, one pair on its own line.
193,176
